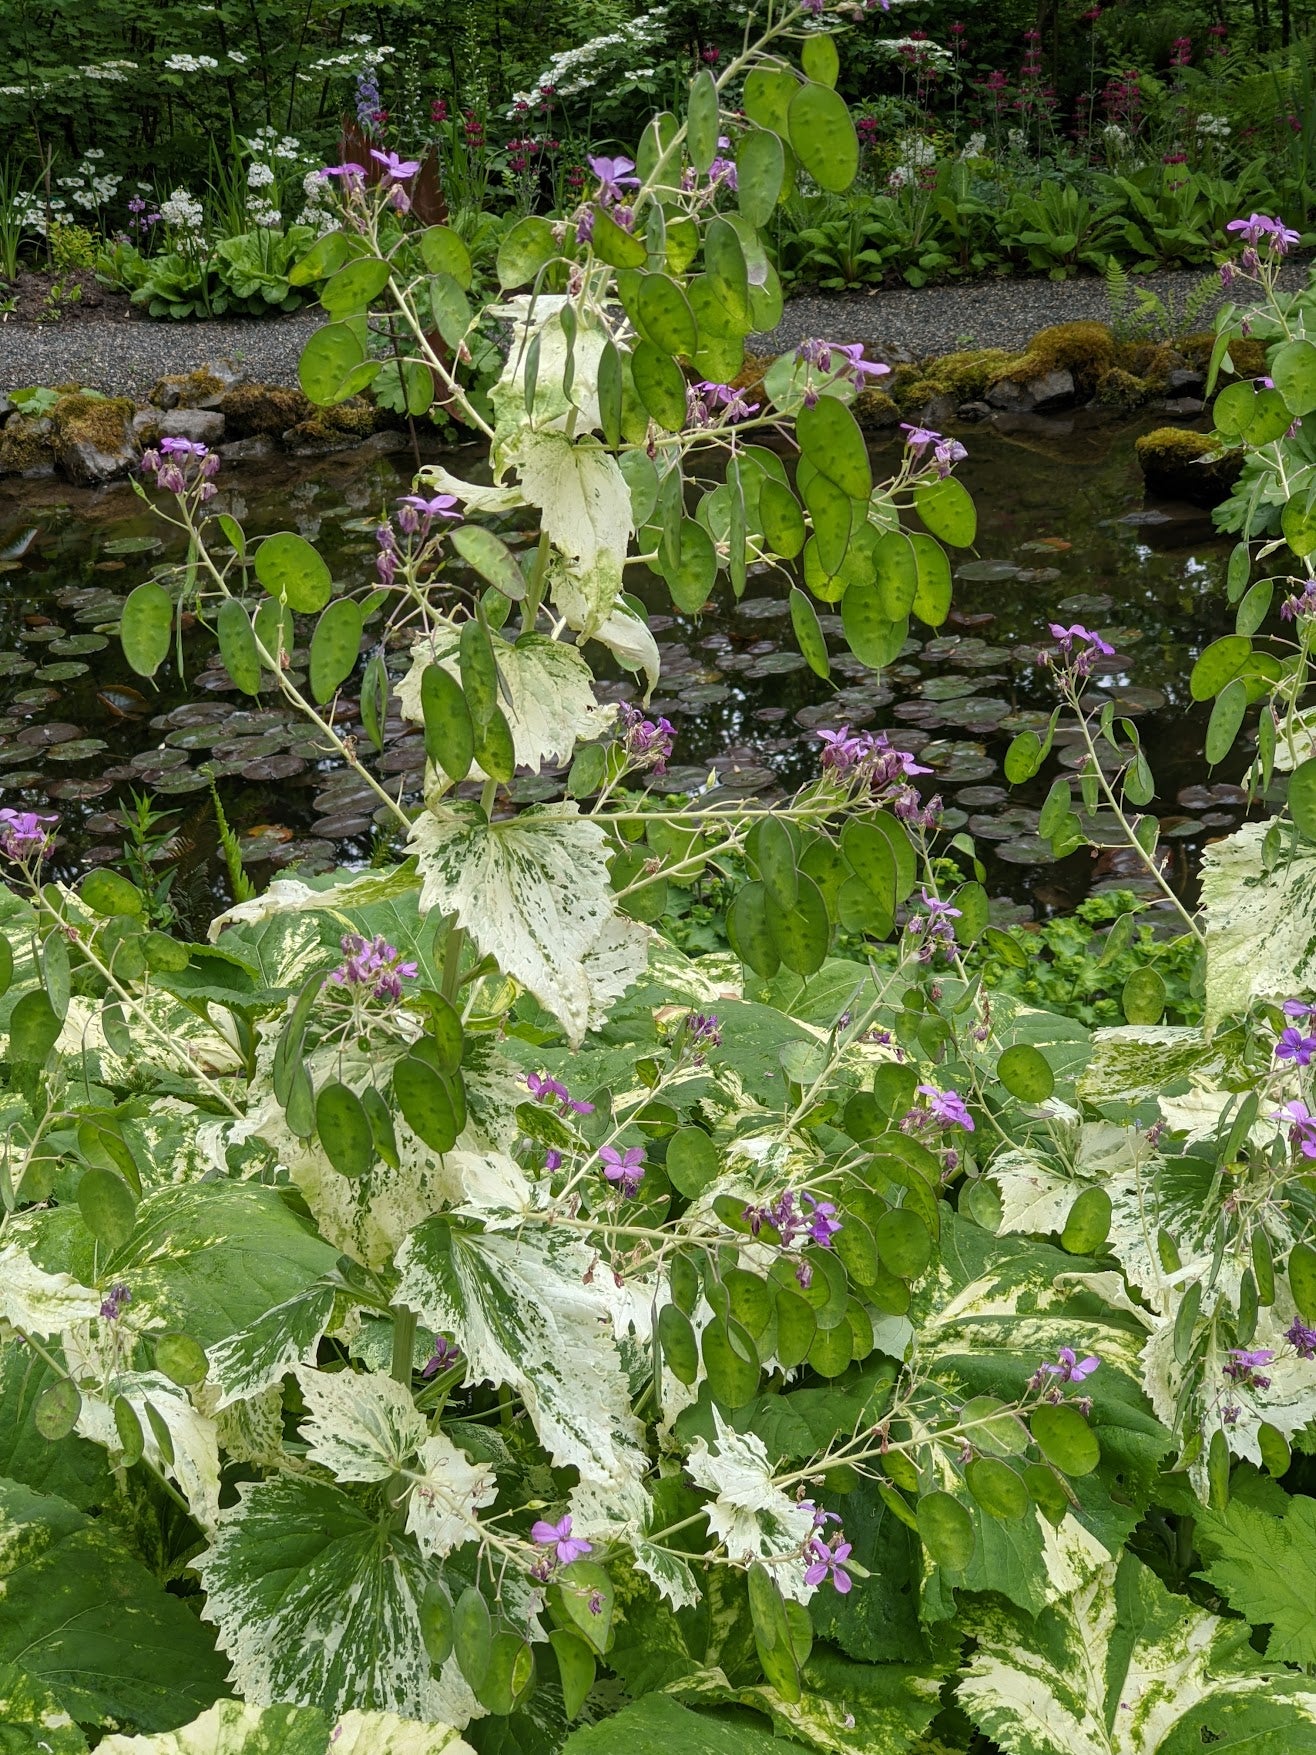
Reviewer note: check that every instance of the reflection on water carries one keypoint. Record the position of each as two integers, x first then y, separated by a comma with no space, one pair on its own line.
1063,535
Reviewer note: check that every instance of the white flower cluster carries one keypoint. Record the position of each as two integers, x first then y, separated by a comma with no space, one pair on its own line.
182,212
1213,127
1018,140
190,64
268,143
575,70
264,213
639,73
237,57
89,187
259,176
927,52
29,210
353,60
915,154
1116,138
113,72
974,146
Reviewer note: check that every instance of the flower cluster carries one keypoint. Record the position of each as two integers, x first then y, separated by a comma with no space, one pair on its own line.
1089,646
369,112
1293,1044
372,968
118,1296
795,1220
702,1032
932,927
179,464
647,743
183,213
1243,1367
24,835
847,364
946,453
826,1563
1302,1126
1067,1368
710,405
577,70
1258,229
943,1109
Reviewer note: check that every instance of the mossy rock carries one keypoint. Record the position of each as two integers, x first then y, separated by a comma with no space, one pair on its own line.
252,409
1123,390
334,429
25,446
1180,464
1247,354
1085,350
92,437
199,389
874,409
965,375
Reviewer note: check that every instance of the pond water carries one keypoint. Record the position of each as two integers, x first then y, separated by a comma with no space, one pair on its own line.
1064,534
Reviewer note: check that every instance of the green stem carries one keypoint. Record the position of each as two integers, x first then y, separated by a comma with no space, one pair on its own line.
404,1343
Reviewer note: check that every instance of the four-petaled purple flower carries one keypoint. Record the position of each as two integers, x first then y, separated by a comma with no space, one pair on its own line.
934,927
1301,1338
708,404
115,1300
703,1030
946,1107
1243,1364
847,362
1294,1046
1298,1008
919,438
1259,226
547,1089
440,506
24,835
821,1219
626,1168
445,1354
827,1563
1069,1368
614,175
1065,637
947,453
350,172
399,169
559,1538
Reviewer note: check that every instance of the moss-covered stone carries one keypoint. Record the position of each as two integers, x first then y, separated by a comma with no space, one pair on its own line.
1184,465
1246,352
1122,390
251,409
25,447
188,389
1085,350
333,429
874,409
92,437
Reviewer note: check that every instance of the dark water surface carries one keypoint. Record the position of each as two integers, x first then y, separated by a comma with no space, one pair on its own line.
1064,534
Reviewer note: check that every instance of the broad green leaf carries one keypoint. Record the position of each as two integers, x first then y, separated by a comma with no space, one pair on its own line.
1065,1438
830,438
288,567
1221,661
819,58
335,648
146,627
767,96
660,384
444,251
666,317
449,732
354,287
1227,715
344,1129
946,1529
82,1617
932,597
1122,1667
1262,1565
659,1725
524,250
335,363
823,137
760,173
947,511
870,633
808,634
781,518
703,122
1026,1074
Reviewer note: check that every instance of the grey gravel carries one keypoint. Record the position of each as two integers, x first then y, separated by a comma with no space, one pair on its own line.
913,322
126,357
112,353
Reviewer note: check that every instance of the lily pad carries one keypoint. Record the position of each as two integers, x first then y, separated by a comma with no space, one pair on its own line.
80,750
132,545
64,672
1026,850
987,572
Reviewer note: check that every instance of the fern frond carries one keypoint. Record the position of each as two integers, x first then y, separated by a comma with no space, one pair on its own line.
241,885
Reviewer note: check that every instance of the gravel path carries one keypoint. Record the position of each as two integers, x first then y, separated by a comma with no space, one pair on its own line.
113,354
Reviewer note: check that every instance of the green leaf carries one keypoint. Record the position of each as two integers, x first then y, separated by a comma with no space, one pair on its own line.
772,1639
354,287
760,174
1227,715
344,1129
781,519
819,58
335,648
870,634
703,120
525,249
946,1530
666,318
1065,1438
479,671
728,276
146,627
998,1488
823,137
1143,997
808,633
491,558
659,1725
425,1099
1262,1565
1026,1073
444,251
33,1029
660,385
289,568
237,646
449,731
695,573
830,438
325,256
613,244
107,1207
1219,664
1302,798
801,932
932,598
767,97
1123,1667
947,511
692,1161
335,363
81,1616
1088,1224
1302,1279
57,1408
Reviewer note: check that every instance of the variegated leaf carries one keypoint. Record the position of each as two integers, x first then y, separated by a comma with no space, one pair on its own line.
1260,931
446,1495
750,1515
360,1425
232,1728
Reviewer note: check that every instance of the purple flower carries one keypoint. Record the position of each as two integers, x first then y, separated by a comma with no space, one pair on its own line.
1258,226
558,1536
441,506
708,403
703,1029
614,175
183,447
946,1107
397,168
23,834
445,1353
1301,1338
349,172
1243,1363
115,1300
373,968
1302,1125
1070,1368
626,1168
820,1518
1293,1045
823,1225
934,927
919,438
827,1563
548,1090
1298,1008
645,741
1065,637
947,454
854,367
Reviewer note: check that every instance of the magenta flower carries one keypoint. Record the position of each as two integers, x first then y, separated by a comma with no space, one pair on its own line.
919,438
856,366
947,454
372,968
349,172
1258,226
1302,1125
441,506
626,1168
1065,637
1243,1366
707,403
547,1089
827,1563
646,742
946,1107
444,1354
177,447
397,168
23,834
1298,1008
934,927
822,1222
558,1536
1294,1046
1070,1368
